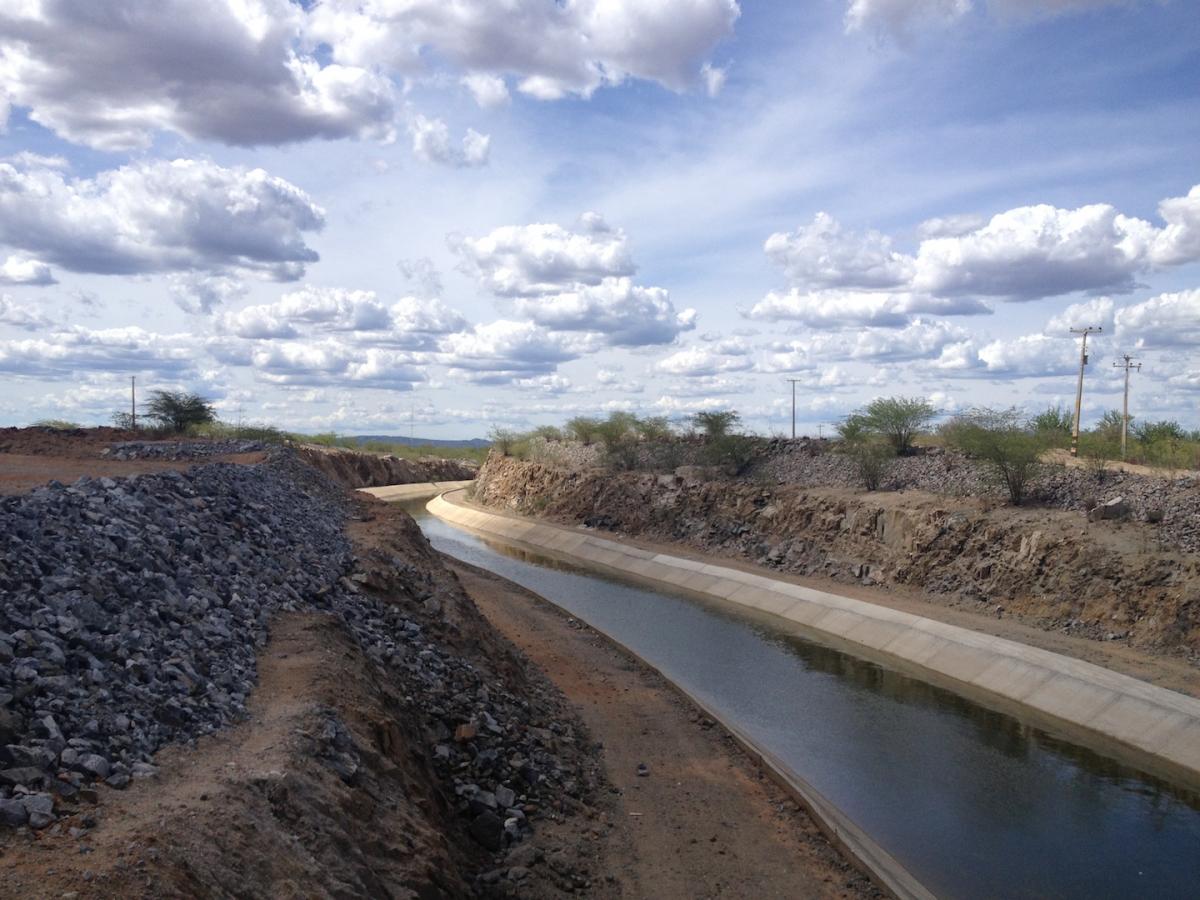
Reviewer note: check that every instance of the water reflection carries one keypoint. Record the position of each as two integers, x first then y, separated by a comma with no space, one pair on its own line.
973,801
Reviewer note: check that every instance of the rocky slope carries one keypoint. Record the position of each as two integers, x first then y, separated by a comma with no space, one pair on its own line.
358,470
1053,569
135,613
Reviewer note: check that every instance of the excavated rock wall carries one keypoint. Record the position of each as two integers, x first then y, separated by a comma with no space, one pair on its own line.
360,470
1053,569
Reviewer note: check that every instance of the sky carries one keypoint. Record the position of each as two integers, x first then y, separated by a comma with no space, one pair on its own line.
440,216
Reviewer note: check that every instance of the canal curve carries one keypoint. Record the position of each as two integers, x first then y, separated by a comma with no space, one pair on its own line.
973,802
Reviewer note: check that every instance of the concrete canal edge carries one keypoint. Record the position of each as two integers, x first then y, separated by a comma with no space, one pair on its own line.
856,844
421,490
1150,727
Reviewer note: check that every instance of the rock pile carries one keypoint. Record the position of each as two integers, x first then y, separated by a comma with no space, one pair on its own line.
179,450
133,610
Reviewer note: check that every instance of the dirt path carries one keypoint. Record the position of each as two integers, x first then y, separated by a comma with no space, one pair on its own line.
704,822
21,472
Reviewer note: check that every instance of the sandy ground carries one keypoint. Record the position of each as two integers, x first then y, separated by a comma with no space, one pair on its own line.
1171,673
705,822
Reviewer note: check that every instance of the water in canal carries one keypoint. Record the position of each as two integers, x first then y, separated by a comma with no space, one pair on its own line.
973,802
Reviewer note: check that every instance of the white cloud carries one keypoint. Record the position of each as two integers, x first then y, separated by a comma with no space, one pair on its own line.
159,217
410,324
528,260
20,316
72,352
902,17
626,314
1168,320
951,226
504,351
714,78
702,361
489,91
554,49
835,309
822,255
920,339
22,270
431,142
333,363
110,73
201,294
1179,241
1096,312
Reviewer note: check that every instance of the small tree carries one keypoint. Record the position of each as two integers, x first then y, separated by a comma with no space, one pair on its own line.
654,429
716,423
852,429
619,437
1007,448
177,410
899,419
583,429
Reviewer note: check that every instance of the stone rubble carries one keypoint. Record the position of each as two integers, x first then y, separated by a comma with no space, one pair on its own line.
179,450
133,610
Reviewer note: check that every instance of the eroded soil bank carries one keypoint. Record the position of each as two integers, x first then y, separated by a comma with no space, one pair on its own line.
1050,570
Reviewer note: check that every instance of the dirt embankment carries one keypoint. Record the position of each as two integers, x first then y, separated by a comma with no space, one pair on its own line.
360,470
1052,569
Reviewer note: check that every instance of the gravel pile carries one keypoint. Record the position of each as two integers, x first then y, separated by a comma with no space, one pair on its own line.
133,610
177,450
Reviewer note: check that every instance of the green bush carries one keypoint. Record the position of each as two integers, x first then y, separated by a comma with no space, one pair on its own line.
504,439
872,458
583,429
899,419
716,423
1054,424
56,424
1006,447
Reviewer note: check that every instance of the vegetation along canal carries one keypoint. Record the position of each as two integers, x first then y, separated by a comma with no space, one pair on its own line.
973,802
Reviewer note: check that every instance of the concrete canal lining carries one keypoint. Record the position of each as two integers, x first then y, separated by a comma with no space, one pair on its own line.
420,490
1159,728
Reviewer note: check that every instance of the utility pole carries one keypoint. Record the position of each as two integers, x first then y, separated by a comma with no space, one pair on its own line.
1126,363
793,381
133,401
1083,358
821,431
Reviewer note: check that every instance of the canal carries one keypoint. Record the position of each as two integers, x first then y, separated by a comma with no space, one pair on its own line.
973,802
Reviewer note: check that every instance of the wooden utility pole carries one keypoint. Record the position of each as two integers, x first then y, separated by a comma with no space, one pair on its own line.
793,381
1083,358
1126,363
133,401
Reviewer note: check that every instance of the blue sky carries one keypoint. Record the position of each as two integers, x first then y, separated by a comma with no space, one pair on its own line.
359,214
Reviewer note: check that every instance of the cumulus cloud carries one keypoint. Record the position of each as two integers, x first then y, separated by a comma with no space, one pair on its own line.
704,361
823,255
920,339
628,315
1096,312
410,324
951,226
1168,320
77,350
200,294
232,71
19,315
1025,253
552,49
528,260
332,361
159,216
431,142
489,91
835,309
505,351
22,270
573,280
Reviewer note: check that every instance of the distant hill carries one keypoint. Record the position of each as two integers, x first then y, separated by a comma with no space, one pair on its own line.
419,441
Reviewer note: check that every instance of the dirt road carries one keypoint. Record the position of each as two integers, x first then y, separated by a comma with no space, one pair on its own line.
704,822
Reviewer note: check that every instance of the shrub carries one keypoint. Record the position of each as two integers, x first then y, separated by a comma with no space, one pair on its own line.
1152,432
1097,451
177,410
732,452
1109,426
547,433
56,424
899,419
716,423
1054,424
655,429
503,439
872,458
1007,449
619,437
